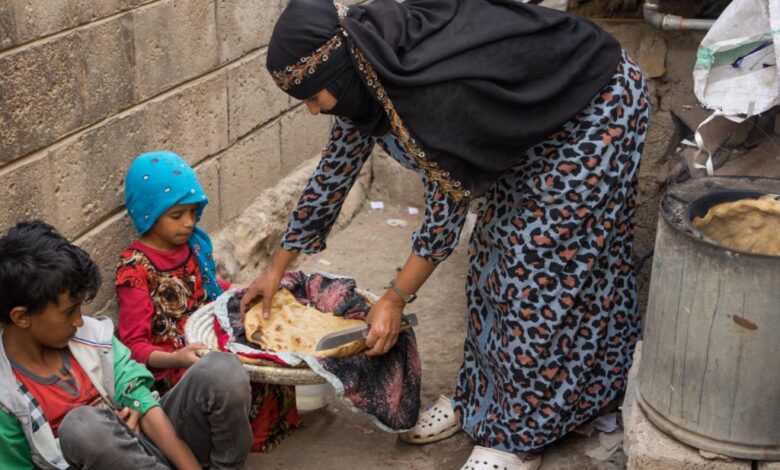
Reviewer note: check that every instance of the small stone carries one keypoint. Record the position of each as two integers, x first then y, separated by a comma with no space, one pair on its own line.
713,456
652,55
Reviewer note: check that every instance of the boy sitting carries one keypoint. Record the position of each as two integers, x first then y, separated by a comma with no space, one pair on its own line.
73,398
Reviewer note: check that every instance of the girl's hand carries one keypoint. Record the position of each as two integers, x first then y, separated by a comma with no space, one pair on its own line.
186,356
385,320
263,287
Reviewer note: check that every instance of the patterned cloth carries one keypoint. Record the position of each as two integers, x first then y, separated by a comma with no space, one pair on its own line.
386,387
36,411
551,288
175,293
552,308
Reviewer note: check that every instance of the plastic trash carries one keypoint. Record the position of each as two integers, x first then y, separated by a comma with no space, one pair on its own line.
397,223
736,70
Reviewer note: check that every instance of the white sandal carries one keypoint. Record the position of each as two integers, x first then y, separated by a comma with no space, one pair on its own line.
434,424
483,458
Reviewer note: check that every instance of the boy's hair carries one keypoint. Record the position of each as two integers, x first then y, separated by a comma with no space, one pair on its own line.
37,264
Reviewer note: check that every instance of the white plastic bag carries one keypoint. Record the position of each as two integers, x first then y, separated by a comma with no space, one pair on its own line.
736,70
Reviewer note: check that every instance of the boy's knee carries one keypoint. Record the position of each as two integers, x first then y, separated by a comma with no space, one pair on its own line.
223,372
82,427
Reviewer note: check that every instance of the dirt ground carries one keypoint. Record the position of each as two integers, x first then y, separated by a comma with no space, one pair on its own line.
335,438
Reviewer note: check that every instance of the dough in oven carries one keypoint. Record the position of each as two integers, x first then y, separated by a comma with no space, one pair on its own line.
751,225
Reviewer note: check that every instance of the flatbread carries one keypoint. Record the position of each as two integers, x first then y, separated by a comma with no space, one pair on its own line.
751,225
294,327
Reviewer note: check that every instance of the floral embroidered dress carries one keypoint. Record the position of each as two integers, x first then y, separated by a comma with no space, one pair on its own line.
157,292
552,310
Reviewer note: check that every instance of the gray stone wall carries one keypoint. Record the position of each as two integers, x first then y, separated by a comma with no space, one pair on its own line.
86,86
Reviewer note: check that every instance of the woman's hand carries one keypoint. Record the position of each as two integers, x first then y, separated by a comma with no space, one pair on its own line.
263,287
385,320
267,283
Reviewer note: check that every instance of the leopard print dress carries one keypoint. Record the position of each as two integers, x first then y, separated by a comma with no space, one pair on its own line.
551,290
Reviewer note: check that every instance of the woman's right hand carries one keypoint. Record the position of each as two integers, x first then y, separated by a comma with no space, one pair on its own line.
263,288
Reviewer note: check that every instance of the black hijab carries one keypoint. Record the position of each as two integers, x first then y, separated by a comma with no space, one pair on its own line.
304,27
476,82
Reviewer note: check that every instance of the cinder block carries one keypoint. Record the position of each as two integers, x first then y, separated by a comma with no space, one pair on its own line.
208,175
303,136
244,25
108,63
8,32
105,243
192,121
392,182
174,42
25,20
648,448
88,173
27,193
247,169
41,95
85,11
244,245
254,98
768,465
343,2
126,4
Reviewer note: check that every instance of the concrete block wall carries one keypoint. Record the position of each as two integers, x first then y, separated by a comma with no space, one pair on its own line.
86,86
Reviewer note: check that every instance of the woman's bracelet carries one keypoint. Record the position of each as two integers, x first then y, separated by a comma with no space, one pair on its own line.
405,296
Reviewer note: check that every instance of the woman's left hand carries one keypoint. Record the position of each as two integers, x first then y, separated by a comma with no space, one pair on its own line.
385,320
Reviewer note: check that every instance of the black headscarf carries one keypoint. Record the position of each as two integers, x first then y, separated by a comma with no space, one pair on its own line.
476,82
304,26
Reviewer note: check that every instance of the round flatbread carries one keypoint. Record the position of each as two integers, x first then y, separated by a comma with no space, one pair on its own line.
294,327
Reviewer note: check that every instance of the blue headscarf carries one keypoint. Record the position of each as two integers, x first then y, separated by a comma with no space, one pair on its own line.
157,181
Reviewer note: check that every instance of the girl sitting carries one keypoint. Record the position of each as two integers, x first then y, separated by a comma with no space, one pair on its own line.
167,274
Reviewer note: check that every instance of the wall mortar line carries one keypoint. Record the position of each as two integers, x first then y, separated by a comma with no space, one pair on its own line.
59,34
31,156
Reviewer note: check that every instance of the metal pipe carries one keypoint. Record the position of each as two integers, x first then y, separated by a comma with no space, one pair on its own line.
672,22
